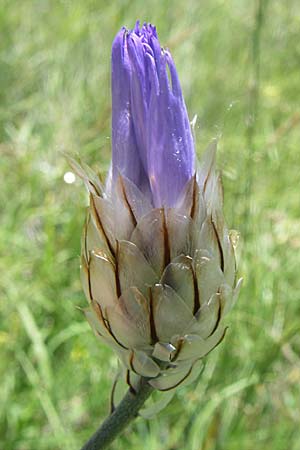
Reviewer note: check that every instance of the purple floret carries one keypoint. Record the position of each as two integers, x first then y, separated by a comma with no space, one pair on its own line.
152,143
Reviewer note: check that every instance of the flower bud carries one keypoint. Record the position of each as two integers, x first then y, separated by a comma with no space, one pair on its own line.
158,265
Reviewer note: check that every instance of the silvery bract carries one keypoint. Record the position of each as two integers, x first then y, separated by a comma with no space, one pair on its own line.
158,265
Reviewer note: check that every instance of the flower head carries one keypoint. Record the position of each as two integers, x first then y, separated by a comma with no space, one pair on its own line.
158,265
151,135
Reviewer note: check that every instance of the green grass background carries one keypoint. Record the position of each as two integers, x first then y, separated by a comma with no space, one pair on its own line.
239,65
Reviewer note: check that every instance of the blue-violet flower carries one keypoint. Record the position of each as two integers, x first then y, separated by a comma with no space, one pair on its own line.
152,143
158,265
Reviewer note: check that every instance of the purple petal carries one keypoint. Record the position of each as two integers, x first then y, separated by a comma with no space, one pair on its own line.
152,140
125,153
170,145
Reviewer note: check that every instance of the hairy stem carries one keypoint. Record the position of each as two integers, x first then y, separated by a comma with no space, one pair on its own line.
124,413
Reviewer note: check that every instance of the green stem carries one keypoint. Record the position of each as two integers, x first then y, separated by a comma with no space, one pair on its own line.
124,413
254,94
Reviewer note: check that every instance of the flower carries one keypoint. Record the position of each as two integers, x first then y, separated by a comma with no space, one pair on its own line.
158,265
151,135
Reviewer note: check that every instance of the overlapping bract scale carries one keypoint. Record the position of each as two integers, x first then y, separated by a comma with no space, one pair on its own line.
159,280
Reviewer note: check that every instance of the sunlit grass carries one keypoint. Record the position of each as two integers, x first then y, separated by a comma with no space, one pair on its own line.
54,94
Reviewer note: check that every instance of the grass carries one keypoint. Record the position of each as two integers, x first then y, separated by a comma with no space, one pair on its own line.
239,66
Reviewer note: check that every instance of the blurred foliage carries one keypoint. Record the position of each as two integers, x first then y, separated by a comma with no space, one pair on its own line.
239,65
